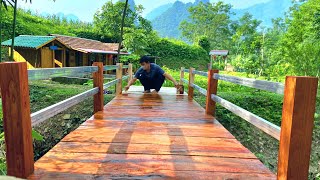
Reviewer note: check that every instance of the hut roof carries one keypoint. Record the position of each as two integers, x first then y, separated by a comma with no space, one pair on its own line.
29,41
80,44
219,52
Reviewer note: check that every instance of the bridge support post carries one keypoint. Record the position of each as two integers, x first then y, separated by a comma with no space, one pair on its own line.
211,89
98,82
130,72
191,81
296,127
181,75
119,76
16,118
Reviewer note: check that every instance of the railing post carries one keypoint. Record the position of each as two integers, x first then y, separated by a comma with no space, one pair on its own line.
296,127
130,72
98,82
119,76
211,89
191,81
16,118
181,75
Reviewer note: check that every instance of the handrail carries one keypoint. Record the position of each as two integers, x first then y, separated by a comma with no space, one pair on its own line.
125,77
46,73
184,80
186,70
258,84
107,85
201,73
266,126
125,66
55,109
298,106
110,67
200,89
109,76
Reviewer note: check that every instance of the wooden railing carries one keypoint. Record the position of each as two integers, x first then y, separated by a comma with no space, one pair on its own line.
298,111
18,121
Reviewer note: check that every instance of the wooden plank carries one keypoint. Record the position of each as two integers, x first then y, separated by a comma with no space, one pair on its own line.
191,81
47,73
155,175
185,81
55,109
186,70
296,127
98,83
119,76
110,67
130,73
16,118
254,83
253,119
109,84
103,163
181,75
200,89
220,148
212,88
201,73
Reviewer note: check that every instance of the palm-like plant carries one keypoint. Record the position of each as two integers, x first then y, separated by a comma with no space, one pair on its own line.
12,3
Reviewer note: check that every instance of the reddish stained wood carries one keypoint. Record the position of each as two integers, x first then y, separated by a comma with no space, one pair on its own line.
137,143
211,89
119,76
296,128
16,119
98,82
191,81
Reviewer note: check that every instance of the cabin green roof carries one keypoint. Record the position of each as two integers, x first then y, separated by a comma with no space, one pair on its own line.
29,41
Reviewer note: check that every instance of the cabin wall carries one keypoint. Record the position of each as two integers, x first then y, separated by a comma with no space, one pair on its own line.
33,56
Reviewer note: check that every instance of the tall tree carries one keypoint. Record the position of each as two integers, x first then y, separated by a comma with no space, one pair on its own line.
210,20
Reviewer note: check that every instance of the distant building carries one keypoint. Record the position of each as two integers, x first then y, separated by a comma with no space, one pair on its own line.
61,51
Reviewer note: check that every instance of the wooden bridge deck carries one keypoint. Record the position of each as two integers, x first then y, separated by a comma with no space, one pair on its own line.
150,136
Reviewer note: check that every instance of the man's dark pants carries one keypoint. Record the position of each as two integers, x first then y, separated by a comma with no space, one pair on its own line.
154,83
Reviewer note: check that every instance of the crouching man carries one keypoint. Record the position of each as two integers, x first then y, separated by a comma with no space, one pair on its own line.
151,76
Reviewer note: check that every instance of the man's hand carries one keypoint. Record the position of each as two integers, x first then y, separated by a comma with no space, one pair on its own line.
176,84
126,88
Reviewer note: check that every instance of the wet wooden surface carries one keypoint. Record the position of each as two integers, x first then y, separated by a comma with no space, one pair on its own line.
150,136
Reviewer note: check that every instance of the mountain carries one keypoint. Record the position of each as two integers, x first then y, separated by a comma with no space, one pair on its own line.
265,11
167,23
158,11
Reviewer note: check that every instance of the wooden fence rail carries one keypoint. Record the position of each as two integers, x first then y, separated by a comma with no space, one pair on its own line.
16,106
298,110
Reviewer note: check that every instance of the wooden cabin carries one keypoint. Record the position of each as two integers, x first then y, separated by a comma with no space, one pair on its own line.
83,52
38,51
62,51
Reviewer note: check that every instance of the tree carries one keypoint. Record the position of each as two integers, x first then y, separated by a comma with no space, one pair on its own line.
210,20
108,21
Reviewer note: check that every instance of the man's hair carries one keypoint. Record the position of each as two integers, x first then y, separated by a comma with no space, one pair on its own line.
145,59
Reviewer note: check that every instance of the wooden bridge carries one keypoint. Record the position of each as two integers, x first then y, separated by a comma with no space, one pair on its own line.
154,136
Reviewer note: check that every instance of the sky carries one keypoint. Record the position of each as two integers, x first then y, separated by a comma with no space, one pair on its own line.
86,9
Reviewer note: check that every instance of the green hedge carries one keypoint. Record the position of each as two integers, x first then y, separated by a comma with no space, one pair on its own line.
175,54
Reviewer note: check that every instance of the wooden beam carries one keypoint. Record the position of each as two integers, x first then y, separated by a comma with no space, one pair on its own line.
130,72
119,76
181,75
201,73
254,83
191,81
98,82
253,119
296,127
55,109
211,89
16,118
